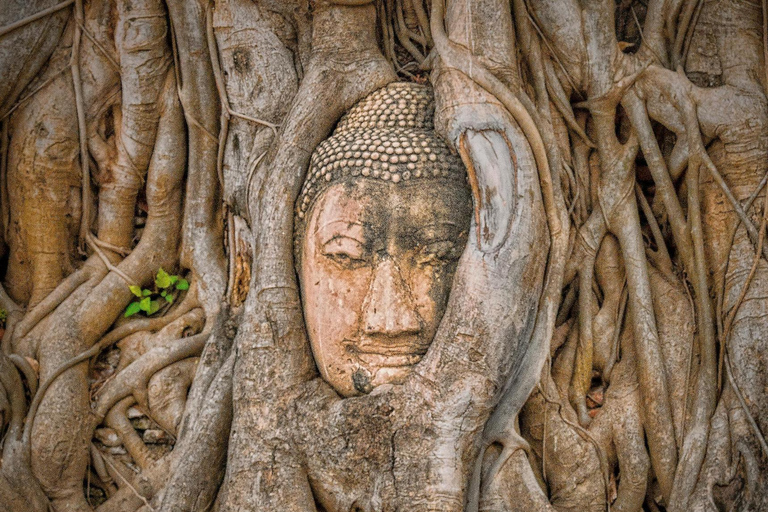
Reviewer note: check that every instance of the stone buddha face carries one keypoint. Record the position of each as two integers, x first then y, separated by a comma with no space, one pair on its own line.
378,245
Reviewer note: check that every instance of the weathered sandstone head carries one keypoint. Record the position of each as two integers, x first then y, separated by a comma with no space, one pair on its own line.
381,222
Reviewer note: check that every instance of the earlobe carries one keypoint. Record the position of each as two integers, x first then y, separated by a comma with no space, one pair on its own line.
492,168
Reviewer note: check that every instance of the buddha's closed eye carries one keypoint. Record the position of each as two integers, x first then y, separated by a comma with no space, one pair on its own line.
345,251
440,252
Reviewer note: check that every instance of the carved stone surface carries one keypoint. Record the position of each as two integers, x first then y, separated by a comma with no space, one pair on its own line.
381,223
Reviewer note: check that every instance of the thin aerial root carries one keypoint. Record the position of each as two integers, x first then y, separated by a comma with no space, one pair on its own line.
85,219
29,373
562,105
52,301
117,419
744,406
113,337
138,373
661,246
751,229
271,126
745,288
122,251
638,115
614,355
553,53
98,45
101,469
32,93
755,193
683,28
693,450
221,88
249,178
38,398
190,119
721,294
128,484
29,19
699,155
386,29
584,434
227,111
690,31
421,16
403,35
93,245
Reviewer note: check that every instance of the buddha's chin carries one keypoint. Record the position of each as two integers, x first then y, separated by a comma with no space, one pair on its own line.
387,369
366,379
362,377
391,375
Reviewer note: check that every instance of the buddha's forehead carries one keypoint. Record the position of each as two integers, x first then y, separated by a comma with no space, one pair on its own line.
381,210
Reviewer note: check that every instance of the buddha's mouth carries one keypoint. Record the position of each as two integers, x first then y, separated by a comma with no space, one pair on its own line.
393,354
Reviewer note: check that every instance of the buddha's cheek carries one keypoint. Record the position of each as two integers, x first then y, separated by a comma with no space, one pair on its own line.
333,302
430,286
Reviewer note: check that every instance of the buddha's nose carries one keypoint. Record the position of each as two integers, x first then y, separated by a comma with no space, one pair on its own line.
388,307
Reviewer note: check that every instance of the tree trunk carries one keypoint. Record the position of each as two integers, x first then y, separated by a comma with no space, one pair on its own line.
378,255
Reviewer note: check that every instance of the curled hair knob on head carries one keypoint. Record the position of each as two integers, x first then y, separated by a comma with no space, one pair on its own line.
390,136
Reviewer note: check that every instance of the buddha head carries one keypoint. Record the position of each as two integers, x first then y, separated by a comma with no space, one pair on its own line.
381,222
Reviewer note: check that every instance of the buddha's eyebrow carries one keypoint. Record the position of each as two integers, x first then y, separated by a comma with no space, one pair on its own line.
445,228
339,228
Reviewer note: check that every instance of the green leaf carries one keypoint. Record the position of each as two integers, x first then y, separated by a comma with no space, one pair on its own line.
174,279
183,284
145,304
153,307
146,293
136,290
163,293
163,280
132,309
169,298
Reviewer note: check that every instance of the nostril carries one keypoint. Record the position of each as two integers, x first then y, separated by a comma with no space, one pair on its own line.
406,322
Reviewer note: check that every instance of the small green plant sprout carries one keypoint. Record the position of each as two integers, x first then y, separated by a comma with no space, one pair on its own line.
164,291
3,317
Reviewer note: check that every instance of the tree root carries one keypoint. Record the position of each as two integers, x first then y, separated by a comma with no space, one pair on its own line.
272,303
137,374
53,300
198,96
199,467
29,19
116,419
613,380
19,487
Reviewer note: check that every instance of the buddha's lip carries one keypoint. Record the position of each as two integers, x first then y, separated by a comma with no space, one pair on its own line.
388,361
387,355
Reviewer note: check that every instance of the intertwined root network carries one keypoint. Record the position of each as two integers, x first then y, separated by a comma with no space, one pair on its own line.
603,340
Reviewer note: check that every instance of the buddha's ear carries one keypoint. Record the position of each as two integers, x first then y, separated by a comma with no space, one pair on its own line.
492,169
